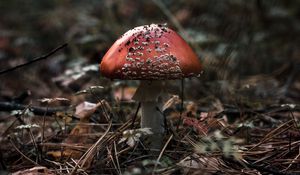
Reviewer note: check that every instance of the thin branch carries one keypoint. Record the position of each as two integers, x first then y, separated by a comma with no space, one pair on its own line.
181,105
171,17
161,153
135,115
7,106
33,61
22,154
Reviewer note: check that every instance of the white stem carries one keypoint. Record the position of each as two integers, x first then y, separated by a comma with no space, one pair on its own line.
150,94
151,117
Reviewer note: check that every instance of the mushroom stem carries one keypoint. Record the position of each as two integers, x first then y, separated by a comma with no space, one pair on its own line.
150,94
151,117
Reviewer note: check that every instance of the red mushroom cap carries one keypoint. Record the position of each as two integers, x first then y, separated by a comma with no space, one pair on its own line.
150,52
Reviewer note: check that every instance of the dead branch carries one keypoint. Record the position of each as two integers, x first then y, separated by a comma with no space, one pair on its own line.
33,61
7,106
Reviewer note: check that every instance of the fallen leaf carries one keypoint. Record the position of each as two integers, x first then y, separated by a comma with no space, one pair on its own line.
124,93
85,109
171,102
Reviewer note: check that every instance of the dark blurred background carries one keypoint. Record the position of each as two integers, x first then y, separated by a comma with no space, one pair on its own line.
249,49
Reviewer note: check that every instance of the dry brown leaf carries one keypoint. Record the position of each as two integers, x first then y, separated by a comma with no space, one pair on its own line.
171,102
124,93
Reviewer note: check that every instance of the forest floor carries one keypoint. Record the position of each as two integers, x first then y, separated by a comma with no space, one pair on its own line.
59,115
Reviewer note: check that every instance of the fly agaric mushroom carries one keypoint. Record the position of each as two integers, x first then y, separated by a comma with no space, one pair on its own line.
150,53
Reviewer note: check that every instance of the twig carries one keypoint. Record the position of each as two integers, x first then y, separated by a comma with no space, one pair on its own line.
117,158
8,106
18,117
293,161
177,24
285,126
135,115
171,17
102,106
33,61
65,145
112,160
161,153
22,154
267,170
181,105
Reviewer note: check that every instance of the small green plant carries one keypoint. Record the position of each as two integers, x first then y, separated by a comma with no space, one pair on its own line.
133,136
218,143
